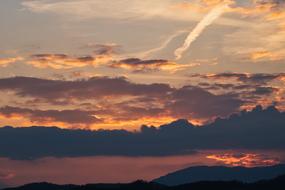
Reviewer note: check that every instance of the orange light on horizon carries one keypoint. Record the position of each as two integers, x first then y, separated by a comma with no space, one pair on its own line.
245,160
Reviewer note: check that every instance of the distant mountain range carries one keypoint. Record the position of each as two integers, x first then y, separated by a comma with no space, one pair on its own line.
193,178
221,173
274,184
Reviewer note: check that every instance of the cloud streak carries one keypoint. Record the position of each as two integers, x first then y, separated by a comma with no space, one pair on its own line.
206,21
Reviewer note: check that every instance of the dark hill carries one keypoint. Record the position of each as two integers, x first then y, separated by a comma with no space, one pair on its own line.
221,173
274,184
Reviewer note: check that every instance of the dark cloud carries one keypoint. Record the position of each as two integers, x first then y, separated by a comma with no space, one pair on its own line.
264,90
142,99
105,49
250,88
62,61
96,87
276,4
139,65
260,78
66,116
196,102
137,62
259,129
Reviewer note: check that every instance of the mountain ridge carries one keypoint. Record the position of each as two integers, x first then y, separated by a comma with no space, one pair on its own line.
221,173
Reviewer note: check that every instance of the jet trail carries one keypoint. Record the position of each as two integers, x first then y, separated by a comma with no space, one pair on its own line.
164,44
201,26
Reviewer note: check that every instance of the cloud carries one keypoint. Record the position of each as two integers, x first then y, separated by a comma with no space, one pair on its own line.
265,90
259,88
93,88
4,62
138,65
46,116
102,54
197,103
244,160
105,55
266,55
62,61
107,102
272,3
214,14
257,78
104,49
115,98
259,129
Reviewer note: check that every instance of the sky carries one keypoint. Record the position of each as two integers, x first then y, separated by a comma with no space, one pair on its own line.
117,70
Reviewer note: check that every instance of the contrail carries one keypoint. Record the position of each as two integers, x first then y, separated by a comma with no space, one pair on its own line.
206,21
164,44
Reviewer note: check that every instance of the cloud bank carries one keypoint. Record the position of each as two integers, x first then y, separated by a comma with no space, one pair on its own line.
259,129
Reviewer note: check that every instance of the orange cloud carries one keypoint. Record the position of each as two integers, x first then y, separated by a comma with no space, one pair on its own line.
246,160
64,118
6,61
266,55
62,61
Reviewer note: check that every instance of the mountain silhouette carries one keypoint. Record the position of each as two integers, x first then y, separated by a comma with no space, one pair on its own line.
220,173
277,183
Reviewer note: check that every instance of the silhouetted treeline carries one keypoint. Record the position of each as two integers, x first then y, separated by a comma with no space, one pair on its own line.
274,184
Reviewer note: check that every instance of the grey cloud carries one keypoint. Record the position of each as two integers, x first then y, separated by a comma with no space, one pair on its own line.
260,78
139,65
66,116
187,101
96,87
196,102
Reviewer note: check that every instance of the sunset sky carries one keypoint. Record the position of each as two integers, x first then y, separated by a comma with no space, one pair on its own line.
109,67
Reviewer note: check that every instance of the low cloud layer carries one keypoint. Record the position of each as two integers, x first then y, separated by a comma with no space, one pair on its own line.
259,129
114,98
109,101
